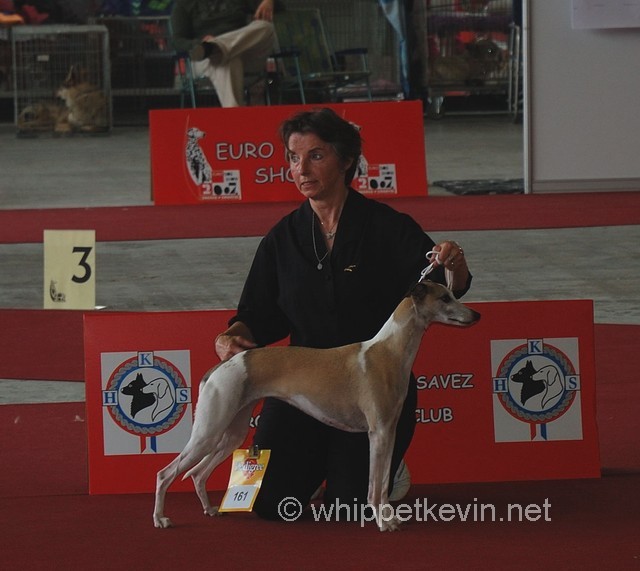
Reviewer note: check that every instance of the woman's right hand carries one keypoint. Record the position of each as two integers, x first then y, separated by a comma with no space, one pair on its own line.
234,340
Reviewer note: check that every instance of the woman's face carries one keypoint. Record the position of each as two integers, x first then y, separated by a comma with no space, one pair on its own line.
317,170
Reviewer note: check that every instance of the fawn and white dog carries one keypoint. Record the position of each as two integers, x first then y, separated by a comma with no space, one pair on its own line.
371,378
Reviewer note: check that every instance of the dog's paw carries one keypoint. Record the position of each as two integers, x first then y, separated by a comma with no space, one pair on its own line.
162,522
391,524
213,511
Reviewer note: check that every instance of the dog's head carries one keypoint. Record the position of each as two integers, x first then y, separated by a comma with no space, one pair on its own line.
75,79
158,386
194,134
135,387
435,303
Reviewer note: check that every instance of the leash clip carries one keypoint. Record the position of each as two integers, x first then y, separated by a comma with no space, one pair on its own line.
436,262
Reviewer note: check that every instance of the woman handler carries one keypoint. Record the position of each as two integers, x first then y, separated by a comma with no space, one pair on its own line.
328,274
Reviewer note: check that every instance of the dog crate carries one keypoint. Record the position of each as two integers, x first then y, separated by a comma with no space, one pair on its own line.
143,64
361,24
142,58
467,49
61,79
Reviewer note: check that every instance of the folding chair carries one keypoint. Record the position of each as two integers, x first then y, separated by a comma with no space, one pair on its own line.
187,80
308,65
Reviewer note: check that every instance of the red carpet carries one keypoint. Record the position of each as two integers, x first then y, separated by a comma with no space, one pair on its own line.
489,212
594,525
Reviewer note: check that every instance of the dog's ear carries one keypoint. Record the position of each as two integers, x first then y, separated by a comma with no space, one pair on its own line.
419,290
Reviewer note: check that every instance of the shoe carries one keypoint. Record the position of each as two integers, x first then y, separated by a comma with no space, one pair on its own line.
198,52
401,483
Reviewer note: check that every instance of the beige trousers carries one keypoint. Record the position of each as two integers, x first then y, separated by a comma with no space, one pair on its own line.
237,53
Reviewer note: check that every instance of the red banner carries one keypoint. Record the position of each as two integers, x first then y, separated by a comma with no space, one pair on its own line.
215,155
511,398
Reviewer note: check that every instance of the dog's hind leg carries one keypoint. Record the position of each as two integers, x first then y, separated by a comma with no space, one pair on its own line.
219,400
191,455
233,437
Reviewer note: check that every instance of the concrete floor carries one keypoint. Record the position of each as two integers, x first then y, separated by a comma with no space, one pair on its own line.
602,263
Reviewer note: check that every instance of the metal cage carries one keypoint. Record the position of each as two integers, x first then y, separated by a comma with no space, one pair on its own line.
361,23
61,79
468,48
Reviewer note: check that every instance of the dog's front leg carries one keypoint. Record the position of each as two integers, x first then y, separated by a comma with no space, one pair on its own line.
380,451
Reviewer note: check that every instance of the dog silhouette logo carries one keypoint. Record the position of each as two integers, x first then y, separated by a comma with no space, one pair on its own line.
156,393
139,399
536,386
146,396
546,381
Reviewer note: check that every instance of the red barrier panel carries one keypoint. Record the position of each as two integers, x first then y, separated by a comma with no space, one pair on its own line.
511,398
215,155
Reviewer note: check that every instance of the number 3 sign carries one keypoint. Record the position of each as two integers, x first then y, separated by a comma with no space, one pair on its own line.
69,269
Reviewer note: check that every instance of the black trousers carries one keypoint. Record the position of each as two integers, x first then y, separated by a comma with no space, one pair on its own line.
305,452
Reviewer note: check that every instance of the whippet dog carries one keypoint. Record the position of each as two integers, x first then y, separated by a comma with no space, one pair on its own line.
371,377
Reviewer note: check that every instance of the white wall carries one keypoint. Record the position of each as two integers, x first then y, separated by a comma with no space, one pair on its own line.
582,118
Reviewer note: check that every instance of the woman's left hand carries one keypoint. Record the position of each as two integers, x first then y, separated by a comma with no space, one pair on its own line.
451,255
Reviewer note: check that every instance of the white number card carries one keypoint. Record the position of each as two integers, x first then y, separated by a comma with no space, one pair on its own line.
69,269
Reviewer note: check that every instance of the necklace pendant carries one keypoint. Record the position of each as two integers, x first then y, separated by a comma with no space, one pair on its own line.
319,266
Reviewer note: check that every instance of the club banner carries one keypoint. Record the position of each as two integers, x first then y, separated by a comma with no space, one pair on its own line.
511,398
215,155
142,372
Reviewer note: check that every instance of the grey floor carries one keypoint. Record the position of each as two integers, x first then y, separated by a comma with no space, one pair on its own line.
600,263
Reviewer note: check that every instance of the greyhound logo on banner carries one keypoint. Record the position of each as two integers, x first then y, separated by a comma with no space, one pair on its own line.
536,390
146,401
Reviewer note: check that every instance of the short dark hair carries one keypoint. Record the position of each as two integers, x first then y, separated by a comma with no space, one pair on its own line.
343,136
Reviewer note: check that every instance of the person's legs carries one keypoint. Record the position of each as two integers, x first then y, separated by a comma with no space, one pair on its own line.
228,80
233,54
347,468
297,465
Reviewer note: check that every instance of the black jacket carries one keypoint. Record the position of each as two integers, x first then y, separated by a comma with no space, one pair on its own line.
377,255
